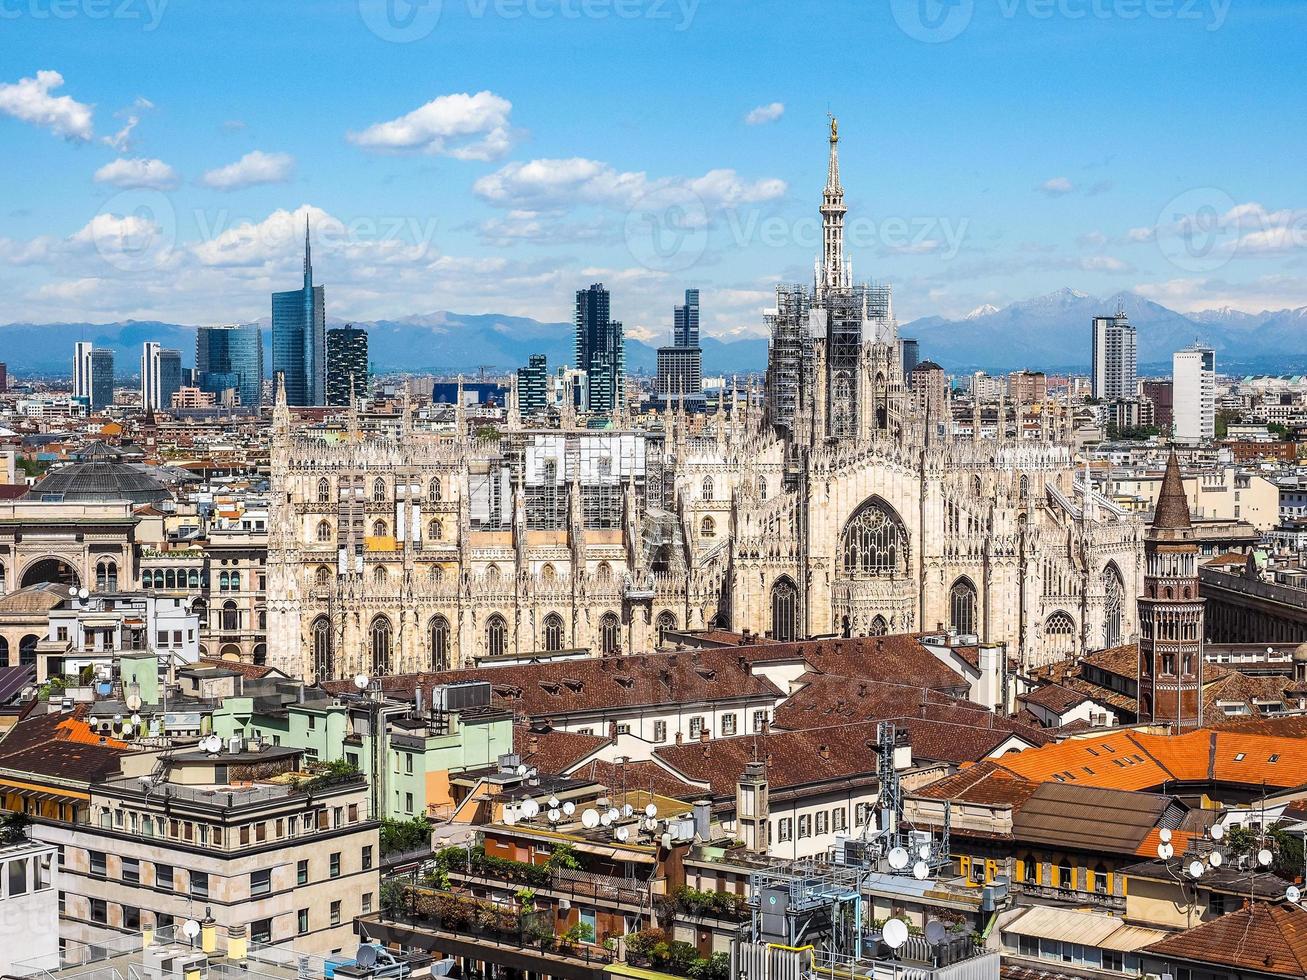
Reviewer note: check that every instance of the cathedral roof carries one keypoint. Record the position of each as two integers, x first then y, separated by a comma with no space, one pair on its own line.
1172,513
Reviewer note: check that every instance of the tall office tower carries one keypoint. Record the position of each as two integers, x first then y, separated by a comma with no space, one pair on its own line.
1193,394
1170,679
911,355
685,332
82,370
1161,394
229,363
680,367
299,337
161,375
101,378
1115,359
347,363
533,386
600,352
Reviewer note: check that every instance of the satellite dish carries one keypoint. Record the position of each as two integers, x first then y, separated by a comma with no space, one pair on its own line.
895,933
553,815
1165,835
623,833
569,808
651,809
1292,894
1215,859
510,817
1218,831
1165,851
923,852
898,859
590,819
936,932
921,871
1264,856
366,956
530,809
1195,869
606,818
361,681
190,928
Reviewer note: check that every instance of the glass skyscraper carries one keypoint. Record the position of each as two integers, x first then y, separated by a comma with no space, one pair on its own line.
299,337
347,363
230,358
600,351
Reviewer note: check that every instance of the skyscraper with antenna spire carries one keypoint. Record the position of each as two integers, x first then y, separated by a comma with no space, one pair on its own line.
299,337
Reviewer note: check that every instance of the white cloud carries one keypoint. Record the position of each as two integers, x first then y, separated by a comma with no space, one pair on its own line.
256,167
32,101
546,183
765,113
138,172
1057,186
466,127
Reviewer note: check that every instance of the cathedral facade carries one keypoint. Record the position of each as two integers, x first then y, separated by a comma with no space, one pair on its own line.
835,504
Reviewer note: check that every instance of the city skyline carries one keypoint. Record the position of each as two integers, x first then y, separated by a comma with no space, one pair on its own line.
463,189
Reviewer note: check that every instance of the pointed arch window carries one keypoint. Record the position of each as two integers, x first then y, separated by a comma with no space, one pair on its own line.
610,633
322,665
784,610
553,633
496,636
380,644
439,635
962,606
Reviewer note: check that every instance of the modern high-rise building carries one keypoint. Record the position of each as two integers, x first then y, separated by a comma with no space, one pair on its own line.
1193,394
347,363
82,370
1161,393
1115,358
911,355
533,386
680,367
600,351
299,337
229,363
161,375
101,378
685,331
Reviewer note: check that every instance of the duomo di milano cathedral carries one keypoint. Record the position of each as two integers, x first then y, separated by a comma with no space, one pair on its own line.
843,502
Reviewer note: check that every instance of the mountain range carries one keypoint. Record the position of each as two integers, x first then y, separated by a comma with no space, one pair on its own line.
1050,332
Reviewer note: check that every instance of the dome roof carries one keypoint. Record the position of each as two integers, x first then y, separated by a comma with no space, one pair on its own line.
100,482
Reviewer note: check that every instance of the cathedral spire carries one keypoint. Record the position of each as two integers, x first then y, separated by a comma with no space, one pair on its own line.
834,273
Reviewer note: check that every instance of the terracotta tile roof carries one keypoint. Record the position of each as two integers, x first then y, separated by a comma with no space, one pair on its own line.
588,685
554,752
1258,938
63,746
645,774
985,783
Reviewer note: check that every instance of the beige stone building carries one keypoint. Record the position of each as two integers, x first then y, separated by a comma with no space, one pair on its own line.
835,505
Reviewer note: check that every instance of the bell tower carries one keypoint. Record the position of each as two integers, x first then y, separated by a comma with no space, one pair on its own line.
1171,614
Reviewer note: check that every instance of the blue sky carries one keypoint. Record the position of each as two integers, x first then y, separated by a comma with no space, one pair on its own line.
495,155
